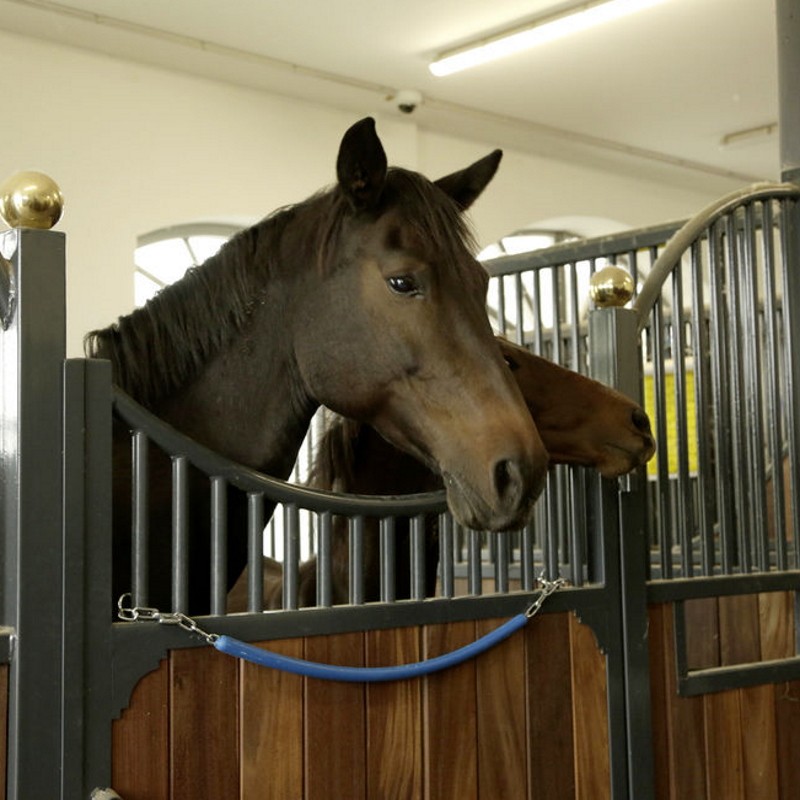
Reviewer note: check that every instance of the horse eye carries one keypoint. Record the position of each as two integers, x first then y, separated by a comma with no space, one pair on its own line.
403,284
512,365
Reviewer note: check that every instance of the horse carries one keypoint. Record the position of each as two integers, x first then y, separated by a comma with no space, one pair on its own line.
581,422
367,298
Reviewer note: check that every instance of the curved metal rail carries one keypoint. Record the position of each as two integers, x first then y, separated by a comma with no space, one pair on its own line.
249,480
671,255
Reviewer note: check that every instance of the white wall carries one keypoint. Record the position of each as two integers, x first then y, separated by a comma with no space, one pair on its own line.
136,148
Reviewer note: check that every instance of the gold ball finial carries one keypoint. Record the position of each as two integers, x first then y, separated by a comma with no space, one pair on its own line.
611,286
30,200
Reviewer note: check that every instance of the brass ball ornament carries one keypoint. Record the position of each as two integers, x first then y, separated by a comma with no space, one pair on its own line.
31,200
611,286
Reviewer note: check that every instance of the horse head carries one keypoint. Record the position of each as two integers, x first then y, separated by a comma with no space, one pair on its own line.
402,339
580,420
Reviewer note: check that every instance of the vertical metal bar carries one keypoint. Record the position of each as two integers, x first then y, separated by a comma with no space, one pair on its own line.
789,228
683,523
527,569
501,305
519,338
139,523
180,535
736,397
536,302
417,544
388,560
355,551
662,453
752,324
774,400
502,557
720,393
219,544
474,571
324,566
700,350
575,329
578,526
255,551
446,555
291,556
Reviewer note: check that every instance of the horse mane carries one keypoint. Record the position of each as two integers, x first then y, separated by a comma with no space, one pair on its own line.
157,349
334,456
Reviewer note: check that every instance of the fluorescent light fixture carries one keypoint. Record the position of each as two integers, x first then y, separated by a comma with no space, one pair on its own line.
546,29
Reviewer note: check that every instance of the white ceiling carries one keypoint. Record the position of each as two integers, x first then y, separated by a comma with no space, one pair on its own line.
660,88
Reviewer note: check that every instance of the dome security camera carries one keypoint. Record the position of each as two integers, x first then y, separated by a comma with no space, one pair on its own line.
407,100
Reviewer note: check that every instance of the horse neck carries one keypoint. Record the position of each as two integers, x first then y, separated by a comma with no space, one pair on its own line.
248,403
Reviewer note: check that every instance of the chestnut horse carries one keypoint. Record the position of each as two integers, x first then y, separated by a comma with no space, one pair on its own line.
366,298
581,422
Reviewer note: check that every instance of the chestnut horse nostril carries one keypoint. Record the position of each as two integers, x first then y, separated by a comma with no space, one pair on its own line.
506,477
640,420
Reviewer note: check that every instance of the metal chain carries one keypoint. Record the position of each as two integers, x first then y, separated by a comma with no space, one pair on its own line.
548,588
129,613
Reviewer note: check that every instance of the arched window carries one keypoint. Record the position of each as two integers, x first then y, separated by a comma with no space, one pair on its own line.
163,256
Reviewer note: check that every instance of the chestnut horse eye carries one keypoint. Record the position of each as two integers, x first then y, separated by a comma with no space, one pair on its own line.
403,284
512,365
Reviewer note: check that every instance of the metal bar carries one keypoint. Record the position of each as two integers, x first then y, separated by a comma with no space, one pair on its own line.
219,545
519,336
502,557
255,551
324,565
474,571
355,552
291,556
388,561
789,228
527,566
774,400
683,511
720,393
139,523
180,535
446,555
578,495
736,397
787,22
700,355
417,544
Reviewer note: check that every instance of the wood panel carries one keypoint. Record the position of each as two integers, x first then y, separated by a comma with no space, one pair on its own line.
204,717
551,748
760,746
659,703
589,714
502,737
701,621
685,725
394,719
271,704
787,718
740,640
450,713
776,625
335,737
724,758
3,726
140,740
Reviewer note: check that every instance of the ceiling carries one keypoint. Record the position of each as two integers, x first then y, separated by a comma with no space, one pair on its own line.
657,90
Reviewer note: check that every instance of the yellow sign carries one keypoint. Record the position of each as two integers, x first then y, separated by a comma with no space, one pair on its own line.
670,446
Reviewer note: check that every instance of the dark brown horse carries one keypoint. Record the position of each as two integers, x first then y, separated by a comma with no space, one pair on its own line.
366,298
581,422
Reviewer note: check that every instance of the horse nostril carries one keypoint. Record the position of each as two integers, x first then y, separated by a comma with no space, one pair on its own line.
640,420
505,477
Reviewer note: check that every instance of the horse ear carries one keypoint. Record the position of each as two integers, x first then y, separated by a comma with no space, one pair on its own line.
361,164
466,185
